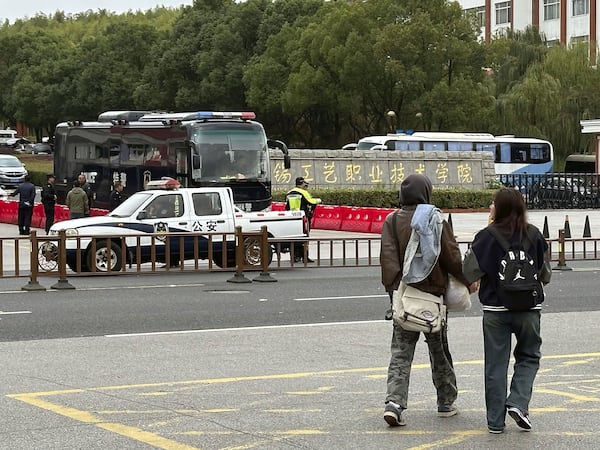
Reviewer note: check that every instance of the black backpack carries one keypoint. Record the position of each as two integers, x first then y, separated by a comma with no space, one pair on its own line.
519,287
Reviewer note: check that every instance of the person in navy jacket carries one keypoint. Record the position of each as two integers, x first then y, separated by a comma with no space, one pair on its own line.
26,191
482,263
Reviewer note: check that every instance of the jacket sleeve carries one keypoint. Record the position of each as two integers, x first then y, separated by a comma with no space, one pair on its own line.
310,199
450,257
471,268
391,266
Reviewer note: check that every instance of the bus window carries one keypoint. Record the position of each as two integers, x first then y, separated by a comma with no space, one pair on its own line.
410,146
434,146
505,153
460,146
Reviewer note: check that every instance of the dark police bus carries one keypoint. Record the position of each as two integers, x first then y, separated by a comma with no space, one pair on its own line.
196,148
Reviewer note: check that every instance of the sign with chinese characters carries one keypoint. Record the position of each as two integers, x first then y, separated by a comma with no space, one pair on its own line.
335,168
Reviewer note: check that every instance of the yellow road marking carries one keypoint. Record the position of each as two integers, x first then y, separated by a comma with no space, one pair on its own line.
35,399
86,417
455,438
574,397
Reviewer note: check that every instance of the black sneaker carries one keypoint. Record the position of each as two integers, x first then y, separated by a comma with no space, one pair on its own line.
521,417
495,430
393,415
447,411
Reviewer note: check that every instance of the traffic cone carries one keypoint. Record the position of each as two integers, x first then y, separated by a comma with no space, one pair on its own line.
545,233
567,228
450,221
586,228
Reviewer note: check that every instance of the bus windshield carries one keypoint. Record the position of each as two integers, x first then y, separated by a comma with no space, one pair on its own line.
225,154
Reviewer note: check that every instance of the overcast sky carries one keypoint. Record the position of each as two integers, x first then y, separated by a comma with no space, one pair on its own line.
20,9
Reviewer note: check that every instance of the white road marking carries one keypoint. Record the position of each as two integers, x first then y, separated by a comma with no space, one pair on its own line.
10,313
307,299
266,327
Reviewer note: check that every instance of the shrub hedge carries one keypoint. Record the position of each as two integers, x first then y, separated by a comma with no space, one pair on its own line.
389,198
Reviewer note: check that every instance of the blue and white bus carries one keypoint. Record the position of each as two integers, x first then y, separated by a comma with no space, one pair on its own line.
513,155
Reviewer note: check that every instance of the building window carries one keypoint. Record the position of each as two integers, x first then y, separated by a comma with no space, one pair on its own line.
479,14
581,7
579,40
502,12
551,9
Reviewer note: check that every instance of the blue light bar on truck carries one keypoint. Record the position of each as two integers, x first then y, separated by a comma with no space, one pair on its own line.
199,115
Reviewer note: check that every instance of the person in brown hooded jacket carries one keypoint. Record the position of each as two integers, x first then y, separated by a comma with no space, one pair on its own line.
415,190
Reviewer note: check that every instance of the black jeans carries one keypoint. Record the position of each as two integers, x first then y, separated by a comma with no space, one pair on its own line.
24,219
49,212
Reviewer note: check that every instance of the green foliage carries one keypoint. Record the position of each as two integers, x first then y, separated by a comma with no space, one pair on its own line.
319,74
38,166
388,198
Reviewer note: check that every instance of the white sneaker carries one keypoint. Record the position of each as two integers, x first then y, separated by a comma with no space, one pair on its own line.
520,417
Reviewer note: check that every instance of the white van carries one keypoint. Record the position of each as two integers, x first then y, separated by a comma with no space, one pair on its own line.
7,137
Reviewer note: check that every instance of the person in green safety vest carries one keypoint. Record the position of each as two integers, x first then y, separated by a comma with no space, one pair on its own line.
297,199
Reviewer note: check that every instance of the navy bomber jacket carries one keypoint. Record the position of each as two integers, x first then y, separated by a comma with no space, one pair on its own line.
482,262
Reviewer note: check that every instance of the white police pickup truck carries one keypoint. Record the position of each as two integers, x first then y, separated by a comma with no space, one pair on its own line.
164,209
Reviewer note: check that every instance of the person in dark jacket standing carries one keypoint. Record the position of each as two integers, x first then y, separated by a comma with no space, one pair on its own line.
483,263
49,200
26,191
116,196
416,190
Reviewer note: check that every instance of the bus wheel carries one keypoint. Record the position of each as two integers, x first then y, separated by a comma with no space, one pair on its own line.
252,255
100,259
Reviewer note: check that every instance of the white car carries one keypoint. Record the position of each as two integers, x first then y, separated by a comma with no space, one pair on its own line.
12,171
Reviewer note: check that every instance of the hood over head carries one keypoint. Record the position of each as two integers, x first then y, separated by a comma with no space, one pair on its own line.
415,190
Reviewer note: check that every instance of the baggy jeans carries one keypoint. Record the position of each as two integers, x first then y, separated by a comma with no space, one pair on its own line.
498,327
442,369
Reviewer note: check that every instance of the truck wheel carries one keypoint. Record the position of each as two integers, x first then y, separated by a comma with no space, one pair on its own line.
252,256
48,256
218,259
101,257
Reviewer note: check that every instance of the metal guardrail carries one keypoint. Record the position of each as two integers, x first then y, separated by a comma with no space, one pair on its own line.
36,256
556,190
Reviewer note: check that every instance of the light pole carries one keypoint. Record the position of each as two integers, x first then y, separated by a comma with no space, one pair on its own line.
391,118
419,117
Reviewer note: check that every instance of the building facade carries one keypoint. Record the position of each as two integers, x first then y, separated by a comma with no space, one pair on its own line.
563,22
